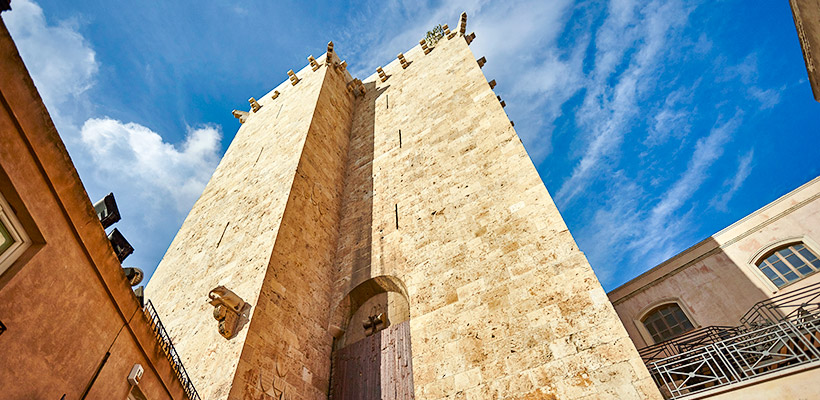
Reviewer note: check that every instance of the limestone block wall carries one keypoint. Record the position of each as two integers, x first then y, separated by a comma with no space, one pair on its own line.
440,193
229,235
288,347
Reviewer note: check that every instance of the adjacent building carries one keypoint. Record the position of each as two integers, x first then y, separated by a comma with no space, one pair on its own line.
70,325
735,296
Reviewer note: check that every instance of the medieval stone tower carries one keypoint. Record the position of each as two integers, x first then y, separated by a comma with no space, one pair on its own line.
385,239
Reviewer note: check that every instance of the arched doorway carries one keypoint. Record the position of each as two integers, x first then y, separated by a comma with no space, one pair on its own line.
372,357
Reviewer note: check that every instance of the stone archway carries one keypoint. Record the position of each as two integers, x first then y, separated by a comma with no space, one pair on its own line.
372,357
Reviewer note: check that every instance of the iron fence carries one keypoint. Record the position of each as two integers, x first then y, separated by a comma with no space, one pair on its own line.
170,352
741,357
790,305
688,341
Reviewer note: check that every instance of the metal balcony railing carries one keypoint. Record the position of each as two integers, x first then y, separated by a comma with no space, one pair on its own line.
781,332
170,352
742,357
786,306
688,341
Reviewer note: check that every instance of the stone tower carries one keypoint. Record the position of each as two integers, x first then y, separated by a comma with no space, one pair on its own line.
389,238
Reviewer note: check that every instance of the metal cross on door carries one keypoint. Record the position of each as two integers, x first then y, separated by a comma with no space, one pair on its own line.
378,367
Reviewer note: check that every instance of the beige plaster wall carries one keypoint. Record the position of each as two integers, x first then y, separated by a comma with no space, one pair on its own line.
716,280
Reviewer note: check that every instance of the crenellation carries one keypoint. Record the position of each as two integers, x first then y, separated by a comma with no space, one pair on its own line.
492,84
313,64
403,61
274,95
446,30
293,79
462,24
382,75
425,47
254,104
469,38
481,61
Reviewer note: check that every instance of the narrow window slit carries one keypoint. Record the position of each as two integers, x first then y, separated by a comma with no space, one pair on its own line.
397,216
280,110
260,155
399,138
387,100
223,234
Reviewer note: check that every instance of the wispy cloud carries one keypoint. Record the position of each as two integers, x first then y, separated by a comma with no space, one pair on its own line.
636,230
608,108
707,150
673,118
744,168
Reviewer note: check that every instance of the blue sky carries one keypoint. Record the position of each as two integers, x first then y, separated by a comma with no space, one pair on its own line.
654,124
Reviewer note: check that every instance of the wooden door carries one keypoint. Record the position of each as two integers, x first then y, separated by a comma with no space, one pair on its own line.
378,367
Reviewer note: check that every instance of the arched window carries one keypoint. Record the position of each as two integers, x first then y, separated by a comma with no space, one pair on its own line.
789,264
666,322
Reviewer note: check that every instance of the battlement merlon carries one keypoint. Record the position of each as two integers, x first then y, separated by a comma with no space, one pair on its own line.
331,59
405,59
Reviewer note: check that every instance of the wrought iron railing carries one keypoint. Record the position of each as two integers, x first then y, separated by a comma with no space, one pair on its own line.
790,305
739,358
170,352
779,332
688,341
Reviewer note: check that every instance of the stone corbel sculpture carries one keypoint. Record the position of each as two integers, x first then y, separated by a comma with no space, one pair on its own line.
242,116
229,310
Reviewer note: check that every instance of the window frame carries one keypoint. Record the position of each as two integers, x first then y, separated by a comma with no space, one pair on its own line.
21,240
646,311
773,248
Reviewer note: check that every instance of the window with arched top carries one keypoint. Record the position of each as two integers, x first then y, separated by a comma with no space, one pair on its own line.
666,321
789,263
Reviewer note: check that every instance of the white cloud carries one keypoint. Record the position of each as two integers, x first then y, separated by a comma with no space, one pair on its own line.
139,162
61,61
155,182
744,168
